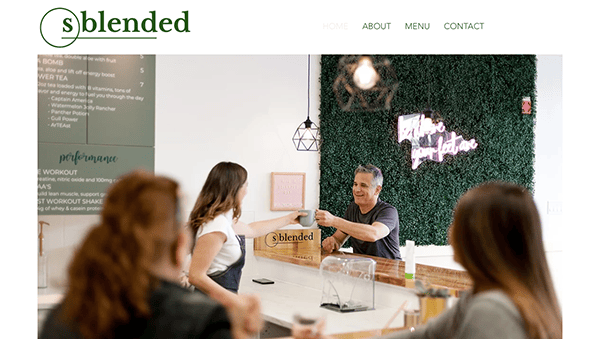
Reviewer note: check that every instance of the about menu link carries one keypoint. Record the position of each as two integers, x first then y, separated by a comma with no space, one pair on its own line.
376,25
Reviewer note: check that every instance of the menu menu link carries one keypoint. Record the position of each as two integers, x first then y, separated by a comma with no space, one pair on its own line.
414,25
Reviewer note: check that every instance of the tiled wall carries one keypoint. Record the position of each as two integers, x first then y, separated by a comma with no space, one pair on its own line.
61,237
65,230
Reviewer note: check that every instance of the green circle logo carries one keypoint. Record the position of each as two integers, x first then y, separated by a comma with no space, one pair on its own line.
59,27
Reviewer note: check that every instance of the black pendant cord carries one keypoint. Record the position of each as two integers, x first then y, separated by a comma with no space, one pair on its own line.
307,132
429,83
308,124
308,95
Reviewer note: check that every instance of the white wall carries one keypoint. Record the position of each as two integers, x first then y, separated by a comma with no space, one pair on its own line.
549,161
246,108
243,109
548,146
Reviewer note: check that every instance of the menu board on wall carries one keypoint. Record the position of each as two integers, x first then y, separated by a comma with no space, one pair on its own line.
62,98
72,179
96,99
95,122
122,88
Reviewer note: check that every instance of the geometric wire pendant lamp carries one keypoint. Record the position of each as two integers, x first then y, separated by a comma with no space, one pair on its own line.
307,136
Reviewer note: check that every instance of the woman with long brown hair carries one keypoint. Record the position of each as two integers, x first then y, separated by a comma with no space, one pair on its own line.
219,253
123,280
496,236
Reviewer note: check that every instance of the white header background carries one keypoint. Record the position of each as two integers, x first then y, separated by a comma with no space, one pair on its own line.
296,27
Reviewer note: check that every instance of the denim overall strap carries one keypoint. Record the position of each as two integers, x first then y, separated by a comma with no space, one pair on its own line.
230,278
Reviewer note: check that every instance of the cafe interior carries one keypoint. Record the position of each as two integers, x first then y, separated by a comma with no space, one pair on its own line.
320,116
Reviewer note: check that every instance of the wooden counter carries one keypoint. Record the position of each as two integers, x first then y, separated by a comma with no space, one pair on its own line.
353,325
387,270
292,258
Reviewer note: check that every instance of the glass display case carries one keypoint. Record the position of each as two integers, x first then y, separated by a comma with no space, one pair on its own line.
348,283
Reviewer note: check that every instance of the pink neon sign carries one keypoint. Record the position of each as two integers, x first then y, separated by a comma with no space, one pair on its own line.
429,140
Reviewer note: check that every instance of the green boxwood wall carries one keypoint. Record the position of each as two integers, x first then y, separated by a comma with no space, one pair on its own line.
478,96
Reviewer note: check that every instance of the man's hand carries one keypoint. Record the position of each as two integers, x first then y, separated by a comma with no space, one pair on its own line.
294,217
330,244
324,218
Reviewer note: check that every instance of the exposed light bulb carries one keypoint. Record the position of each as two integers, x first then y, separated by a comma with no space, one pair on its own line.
426,125
365,76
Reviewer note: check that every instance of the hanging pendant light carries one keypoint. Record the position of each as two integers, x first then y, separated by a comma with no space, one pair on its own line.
365,76
365,83
307,136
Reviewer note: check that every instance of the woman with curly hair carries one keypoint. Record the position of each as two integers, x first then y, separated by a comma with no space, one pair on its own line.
123,281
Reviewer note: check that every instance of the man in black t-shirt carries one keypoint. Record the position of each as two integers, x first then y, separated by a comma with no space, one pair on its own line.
371,224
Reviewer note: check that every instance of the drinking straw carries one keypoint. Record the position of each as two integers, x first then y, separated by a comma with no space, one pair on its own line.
401,308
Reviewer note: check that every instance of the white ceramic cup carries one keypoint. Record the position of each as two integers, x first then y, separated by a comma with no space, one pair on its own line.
307,220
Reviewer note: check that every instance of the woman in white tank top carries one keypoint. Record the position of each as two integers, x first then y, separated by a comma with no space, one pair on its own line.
218,254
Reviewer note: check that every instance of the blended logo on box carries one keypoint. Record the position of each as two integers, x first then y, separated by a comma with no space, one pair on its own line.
60,27
273,239
303,244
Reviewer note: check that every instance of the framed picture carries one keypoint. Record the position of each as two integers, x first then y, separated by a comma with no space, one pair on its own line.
287,191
